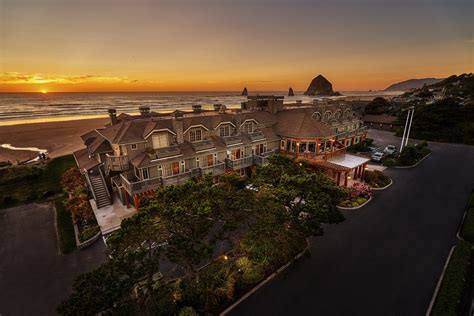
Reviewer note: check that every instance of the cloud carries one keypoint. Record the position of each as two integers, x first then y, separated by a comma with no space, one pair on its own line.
22,78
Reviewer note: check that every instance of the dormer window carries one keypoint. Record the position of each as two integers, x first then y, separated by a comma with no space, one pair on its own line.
327,115
160,140
248,127
337,115
317,116
224,130
195,135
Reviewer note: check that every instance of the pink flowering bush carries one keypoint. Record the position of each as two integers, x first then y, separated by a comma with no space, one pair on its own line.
357,195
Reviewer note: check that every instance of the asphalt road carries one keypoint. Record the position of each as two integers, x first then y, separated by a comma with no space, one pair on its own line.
386,258
34,278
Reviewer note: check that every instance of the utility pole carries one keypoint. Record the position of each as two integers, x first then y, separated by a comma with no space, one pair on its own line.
406,130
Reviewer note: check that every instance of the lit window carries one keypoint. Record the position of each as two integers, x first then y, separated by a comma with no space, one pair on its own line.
195,135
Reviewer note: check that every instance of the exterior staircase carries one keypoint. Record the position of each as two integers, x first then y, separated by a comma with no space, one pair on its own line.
100,191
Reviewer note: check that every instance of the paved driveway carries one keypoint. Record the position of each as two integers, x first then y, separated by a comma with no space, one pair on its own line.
34,278
385,259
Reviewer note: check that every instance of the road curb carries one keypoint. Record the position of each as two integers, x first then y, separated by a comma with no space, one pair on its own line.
383,188
342,208
440,280
412,166
269,278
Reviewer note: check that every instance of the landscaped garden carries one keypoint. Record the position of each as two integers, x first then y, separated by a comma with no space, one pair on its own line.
77,204
264,221
409,156
454,295
376,179
356,195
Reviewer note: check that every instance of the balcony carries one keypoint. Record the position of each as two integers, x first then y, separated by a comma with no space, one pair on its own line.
214,170
351,133
239,163
180,177
133,185
116,163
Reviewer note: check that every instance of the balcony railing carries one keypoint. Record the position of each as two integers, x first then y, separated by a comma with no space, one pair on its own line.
134,187
323,156
180,177
351,133
116,163
239,163
214,170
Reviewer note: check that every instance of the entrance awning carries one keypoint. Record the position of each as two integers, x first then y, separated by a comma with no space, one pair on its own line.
348,161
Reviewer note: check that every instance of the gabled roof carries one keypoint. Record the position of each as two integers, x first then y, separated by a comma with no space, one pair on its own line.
300,124
84,161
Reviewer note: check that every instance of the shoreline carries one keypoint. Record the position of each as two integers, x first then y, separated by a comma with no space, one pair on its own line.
57,137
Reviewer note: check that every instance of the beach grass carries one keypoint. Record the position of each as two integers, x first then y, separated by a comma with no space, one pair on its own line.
27,184
65,228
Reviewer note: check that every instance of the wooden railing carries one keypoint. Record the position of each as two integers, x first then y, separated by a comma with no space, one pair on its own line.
117,163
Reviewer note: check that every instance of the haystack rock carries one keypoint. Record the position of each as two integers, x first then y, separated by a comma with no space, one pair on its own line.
245,92
290,92
320,86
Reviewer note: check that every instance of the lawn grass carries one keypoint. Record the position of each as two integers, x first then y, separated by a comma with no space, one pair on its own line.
26,184
65,228
454,285
467,232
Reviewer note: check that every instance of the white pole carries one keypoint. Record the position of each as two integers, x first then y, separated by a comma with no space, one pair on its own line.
404,132
409,126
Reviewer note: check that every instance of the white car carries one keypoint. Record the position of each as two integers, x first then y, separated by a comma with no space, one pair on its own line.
390,150
378,156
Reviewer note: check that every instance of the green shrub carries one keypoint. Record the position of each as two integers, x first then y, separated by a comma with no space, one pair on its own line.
67,239
467,231
88,233
390,162
376,178
454,281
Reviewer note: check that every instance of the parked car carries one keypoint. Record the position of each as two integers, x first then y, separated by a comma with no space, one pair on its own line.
373,149
378,156
390,150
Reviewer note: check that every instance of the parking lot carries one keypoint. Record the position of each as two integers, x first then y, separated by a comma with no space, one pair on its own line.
34,277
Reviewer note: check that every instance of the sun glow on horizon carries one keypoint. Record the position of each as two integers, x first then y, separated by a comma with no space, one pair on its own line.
44,91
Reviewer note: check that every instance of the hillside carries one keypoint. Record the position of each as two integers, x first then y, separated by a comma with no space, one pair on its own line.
411,84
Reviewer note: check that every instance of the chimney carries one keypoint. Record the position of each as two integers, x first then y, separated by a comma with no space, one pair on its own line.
144,109
222,109
217,106
196,107
113,116
178,126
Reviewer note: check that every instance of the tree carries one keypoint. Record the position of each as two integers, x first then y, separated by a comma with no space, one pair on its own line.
377,106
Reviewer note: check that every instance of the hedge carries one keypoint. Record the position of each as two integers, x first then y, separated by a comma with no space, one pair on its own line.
467,231
66,236
454,282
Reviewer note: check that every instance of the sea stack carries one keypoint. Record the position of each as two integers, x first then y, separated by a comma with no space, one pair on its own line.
290,92
320,86
245,92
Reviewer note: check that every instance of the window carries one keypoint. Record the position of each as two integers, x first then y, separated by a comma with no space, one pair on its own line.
248,127
337,115
312,147
183,166
134,146
195,135
160,140
145,173
282,146
327,115
197,162
317,116
160,171
224,130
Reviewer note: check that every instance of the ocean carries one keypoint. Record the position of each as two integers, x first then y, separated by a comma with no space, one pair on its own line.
16,108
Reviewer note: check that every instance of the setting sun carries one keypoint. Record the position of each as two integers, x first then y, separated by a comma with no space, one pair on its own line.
44,91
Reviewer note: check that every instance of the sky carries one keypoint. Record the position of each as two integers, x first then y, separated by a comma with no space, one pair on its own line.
224,45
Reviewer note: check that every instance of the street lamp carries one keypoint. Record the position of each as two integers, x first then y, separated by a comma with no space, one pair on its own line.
406,130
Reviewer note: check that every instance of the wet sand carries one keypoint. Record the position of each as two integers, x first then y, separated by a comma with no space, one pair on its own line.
58,138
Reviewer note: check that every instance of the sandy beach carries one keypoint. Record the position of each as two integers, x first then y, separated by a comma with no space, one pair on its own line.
58,138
